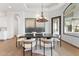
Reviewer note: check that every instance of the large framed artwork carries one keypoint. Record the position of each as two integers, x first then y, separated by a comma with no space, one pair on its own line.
31,25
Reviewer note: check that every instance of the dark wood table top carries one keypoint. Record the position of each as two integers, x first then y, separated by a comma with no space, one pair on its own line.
38,35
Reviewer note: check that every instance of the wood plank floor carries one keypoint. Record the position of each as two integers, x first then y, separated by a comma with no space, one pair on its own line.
8,48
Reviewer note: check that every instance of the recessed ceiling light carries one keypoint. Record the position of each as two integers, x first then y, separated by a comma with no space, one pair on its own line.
9,6
25,6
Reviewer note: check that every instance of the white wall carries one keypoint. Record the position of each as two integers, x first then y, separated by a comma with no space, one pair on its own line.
3,24
7,19
53,14
29,14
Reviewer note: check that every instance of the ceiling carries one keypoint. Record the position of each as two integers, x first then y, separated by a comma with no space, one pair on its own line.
28,6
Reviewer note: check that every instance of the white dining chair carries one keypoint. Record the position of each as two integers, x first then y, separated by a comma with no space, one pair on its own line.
47,43
57,39
28,44
19,39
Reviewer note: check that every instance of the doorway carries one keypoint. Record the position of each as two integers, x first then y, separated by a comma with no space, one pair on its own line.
56,25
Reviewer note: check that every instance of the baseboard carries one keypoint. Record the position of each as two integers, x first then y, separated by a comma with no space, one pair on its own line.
69,44
8,38
12,37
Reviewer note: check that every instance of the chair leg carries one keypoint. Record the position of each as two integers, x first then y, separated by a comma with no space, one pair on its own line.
60,43
19,44
36,42
23,51
51,49
40,43
44,48
31,49
54,44
16,42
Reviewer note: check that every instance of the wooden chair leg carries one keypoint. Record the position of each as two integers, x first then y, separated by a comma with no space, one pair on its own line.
16,42
44,49
40,43
23,51
60,43
54,44
36,42
31,49
51,49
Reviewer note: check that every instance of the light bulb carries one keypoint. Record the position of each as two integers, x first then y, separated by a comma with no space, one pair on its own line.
9,6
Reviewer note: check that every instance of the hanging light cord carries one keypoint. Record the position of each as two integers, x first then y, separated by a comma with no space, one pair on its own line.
42,10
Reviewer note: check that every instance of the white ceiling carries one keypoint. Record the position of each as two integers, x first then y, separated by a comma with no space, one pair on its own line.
28,6
38,5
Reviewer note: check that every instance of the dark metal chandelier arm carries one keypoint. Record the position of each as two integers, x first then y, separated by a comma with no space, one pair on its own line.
41,10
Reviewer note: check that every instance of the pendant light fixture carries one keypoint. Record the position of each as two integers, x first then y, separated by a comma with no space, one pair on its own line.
42,18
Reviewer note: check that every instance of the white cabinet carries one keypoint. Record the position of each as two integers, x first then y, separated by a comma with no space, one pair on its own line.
3,35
